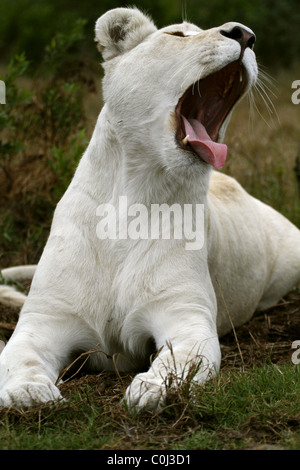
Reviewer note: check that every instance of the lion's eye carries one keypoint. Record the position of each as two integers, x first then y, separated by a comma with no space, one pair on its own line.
176,33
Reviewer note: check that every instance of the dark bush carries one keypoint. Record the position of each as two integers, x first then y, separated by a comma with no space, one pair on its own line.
30,24
41,141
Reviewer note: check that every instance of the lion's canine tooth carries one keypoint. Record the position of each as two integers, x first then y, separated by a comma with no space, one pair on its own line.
185,140
241,75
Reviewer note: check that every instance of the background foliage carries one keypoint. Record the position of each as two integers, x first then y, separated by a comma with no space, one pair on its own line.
42,137
30,24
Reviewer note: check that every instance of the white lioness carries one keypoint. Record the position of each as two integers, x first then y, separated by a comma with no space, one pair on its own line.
168,96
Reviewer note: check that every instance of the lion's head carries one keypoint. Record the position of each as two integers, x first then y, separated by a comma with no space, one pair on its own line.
170,92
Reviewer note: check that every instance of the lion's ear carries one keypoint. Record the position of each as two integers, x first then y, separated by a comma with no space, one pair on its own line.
120,30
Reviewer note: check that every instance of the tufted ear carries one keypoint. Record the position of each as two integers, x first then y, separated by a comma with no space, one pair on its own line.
120,30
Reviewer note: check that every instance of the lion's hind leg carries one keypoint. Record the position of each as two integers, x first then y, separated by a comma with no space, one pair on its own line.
285,264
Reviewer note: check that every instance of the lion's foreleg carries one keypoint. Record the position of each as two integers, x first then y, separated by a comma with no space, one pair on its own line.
189,352
33,357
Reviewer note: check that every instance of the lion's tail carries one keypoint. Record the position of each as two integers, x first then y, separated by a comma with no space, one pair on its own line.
9,295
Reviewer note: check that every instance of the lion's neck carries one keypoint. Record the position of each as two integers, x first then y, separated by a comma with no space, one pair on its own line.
115,174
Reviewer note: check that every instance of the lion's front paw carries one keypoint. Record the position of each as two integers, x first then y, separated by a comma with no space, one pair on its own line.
29,393
146,392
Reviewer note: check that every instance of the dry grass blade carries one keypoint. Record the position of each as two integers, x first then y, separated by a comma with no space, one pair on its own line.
232,325
86,355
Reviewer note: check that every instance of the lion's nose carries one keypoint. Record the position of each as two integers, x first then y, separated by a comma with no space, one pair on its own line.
245,37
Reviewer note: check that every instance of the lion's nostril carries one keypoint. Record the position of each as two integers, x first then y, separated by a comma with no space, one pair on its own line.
243,36
236,34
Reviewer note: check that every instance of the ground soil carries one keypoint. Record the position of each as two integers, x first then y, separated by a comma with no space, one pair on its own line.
267,337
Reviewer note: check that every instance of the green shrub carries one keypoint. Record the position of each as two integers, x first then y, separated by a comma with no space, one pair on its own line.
275,22
42,139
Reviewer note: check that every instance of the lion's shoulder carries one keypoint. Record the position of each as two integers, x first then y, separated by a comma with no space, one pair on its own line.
222,186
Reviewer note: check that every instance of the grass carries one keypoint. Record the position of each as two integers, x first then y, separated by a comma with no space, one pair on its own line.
248,409
237,410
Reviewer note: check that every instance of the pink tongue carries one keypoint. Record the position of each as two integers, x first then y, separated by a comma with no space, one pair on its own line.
211,152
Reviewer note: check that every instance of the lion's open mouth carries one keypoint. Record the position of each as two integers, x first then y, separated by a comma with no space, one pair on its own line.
202,110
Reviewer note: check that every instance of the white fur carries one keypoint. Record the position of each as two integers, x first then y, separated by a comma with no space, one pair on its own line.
118,295
18,273
11,297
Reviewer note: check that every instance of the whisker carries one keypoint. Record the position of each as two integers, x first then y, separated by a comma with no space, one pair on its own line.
268,108
184,11
250,98
264,88
267,81
263,85
265,97
259,112
265,74
267,100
